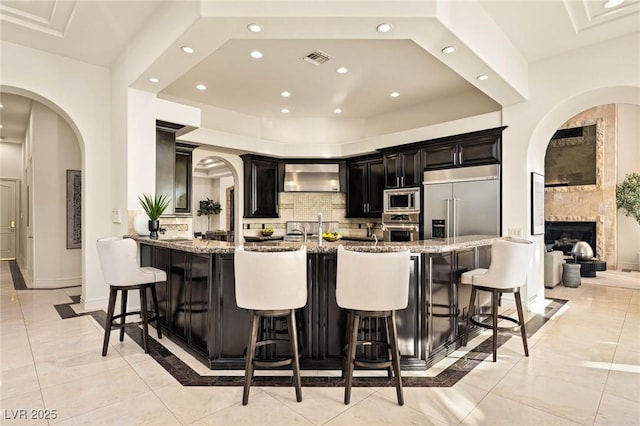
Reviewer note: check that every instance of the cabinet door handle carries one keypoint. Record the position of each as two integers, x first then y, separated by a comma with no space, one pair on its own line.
460,156
453,158
402,180
397,181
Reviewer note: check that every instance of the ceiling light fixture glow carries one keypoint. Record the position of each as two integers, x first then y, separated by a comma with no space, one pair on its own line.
337,111
383,28
256,54
285,94
342,70
394,94
201,87
482,77
254,28
448,49
153,79
610,4
187,49
284,110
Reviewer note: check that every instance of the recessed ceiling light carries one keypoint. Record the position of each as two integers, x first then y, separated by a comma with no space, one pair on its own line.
482,77
610,4
448,49
337,111
394,94
342,70
284,110
153,79
285,94
383,28
201,87
187,49
254,28
256,54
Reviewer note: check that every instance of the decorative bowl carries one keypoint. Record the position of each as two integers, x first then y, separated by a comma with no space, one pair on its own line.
267,232
332,238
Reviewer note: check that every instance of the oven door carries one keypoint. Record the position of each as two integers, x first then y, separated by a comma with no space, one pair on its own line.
400,233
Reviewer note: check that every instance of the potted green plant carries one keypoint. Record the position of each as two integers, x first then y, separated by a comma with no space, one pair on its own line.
154,207
207,208
628,198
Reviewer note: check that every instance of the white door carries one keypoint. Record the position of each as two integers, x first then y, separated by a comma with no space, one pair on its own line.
8,219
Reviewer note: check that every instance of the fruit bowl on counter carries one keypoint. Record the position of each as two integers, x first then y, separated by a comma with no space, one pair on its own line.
331,236
267,232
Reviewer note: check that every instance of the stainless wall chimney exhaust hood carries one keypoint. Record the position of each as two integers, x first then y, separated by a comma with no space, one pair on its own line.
311,178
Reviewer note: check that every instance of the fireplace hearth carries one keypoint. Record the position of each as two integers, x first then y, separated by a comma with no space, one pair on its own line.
563,235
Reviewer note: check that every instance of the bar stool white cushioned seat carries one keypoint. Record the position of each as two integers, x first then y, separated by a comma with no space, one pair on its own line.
510,260
372,285
271,284
118,260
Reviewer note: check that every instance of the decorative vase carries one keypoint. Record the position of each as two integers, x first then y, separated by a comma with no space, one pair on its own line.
582,251
140,224
154,226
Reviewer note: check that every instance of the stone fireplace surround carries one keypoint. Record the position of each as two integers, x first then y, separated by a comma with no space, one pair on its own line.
592,203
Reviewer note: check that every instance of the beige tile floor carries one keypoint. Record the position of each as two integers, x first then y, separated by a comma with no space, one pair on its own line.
584,369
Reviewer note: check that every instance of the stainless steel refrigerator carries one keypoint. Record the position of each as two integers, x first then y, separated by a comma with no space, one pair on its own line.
461,201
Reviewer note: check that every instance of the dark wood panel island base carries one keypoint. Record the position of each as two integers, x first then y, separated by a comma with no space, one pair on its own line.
198,307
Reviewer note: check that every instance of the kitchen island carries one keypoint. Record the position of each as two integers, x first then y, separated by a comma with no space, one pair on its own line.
198,307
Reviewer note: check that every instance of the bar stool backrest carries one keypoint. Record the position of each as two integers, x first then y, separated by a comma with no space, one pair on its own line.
118,259
510,261
270,280
373,281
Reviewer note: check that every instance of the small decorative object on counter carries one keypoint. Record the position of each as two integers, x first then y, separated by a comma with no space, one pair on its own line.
331,236
267,232
207,208
154,207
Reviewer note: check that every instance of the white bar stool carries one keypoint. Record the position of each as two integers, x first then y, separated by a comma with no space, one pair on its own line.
372,285
510,260
271,284
118,259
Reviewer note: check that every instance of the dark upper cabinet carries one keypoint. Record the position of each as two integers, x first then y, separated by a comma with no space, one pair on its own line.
402,169
173,170
260,186
470,149
365,183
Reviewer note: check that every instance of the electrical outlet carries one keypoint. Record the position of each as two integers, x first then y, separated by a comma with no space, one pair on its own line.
515,232
115,216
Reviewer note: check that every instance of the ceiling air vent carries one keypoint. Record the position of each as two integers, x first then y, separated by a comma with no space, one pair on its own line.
317,57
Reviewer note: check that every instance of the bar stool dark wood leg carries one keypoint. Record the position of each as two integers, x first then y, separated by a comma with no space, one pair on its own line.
523,332
470,313
154,298
351,356
145,319
107,326
293,338
123,311
395,355
494,318
389,351
251,349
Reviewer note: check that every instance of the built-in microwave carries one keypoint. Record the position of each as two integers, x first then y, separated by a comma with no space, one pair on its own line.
405,200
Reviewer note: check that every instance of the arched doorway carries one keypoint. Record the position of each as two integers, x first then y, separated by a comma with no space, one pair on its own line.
48,170
595,202
215,178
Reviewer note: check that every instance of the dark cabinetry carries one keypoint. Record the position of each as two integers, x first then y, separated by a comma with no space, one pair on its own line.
470,149
402,169
173,170
260,186
365,183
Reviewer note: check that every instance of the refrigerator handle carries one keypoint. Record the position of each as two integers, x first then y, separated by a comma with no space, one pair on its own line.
448,234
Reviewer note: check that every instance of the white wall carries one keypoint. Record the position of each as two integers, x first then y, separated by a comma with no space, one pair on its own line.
10,160
55,150
628,162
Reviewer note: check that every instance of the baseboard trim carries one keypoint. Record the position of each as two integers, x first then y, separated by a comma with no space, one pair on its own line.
57,283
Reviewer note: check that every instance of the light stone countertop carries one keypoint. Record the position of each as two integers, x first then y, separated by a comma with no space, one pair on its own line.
437,245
